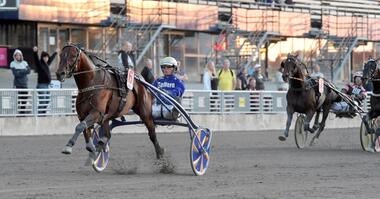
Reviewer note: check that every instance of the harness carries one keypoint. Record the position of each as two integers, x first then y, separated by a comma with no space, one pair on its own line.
120,77
309,83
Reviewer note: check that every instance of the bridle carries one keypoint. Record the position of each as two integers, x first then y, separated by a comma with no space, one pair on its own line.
73,65
372,71
297,63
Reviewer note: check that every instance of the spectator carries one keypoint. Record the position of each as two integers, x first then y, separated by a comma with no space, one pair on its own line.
147,71
252,84
210,81
316,72
259,78
44,77
281,84
181,73
126,56
20,70
289,2
242,79
226,76
250,70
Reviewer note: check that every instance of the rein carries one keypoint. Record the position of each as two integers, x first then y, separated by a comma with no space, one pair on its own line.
296,78
375,94
86,71
95,87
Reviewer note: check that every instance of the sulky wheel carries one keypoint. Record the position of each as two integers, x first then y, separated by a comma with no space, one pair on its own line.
102,153
200,151
300,134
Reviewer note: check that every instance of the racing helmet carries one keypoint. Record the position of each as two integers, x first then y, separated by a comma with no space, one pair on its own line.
358,74
169,61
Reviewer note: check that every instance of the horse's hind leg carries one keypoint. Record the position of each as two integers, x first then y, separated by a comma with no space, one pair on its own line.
309,117
148,121
90,147
107,133
316,120
153,138
81,127
326,111
89,143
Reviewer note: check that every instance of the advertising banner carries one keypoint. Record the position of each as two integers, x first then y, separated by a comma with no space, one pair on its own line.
3,57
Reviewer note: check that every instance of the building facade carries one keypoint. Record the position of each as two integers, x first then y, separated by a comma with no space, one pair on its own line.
194,31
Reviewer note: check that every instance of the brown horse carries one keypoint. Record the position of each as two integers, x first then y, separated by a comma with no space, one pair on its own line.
303,97
98,98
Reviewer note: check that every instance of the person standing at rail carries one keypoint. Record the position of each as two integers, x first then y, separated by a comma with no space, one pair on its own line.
227,77
20,70
44,77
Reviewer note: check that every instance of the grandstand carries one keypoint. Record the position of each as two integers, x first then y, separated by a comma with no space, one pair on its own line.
339,35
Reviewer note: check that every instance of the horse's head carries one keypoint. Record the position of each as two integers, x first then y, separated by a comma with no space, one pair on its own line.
69,59
371,70
291,68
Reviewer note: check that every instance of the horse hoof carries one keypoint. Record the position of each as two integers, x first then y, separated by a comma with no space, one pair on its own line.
90,159
314,142
102,141
90,148
282,138
160,153
311,131
370,149
67,150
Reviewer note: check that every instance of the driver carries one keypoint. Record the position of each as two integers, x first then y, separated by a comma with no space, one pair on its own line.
171,85
356,92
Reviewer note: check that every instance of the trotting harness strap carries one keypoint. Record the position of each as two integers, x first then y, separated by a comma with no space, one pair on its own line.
311,83
122,89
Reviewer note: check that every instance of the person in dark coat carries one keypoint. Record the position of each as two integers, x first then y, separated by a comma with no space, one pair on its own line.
44,76
126,56
242,79
259,78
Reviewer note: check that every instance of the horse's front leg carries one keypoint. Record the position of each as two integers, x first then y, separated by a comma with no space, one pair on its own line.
289,119
89,121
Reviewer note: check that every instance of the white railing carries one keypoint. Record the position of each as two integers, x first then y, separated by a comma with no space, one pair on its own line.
42,102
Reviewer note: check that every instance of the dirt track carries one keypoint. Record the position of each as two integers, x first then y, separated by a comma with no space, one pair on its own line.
243,165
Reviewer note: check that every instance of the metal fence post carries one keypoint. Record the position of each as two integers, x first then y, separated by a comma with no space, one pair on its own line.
35,102
222,102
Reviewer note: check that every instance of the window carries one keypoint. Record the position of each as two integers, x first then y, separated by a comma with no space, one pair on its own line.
95,40
78,36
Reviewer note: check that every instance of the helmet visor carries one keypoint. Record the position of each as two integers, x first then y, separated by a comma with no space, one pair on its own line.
166,66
